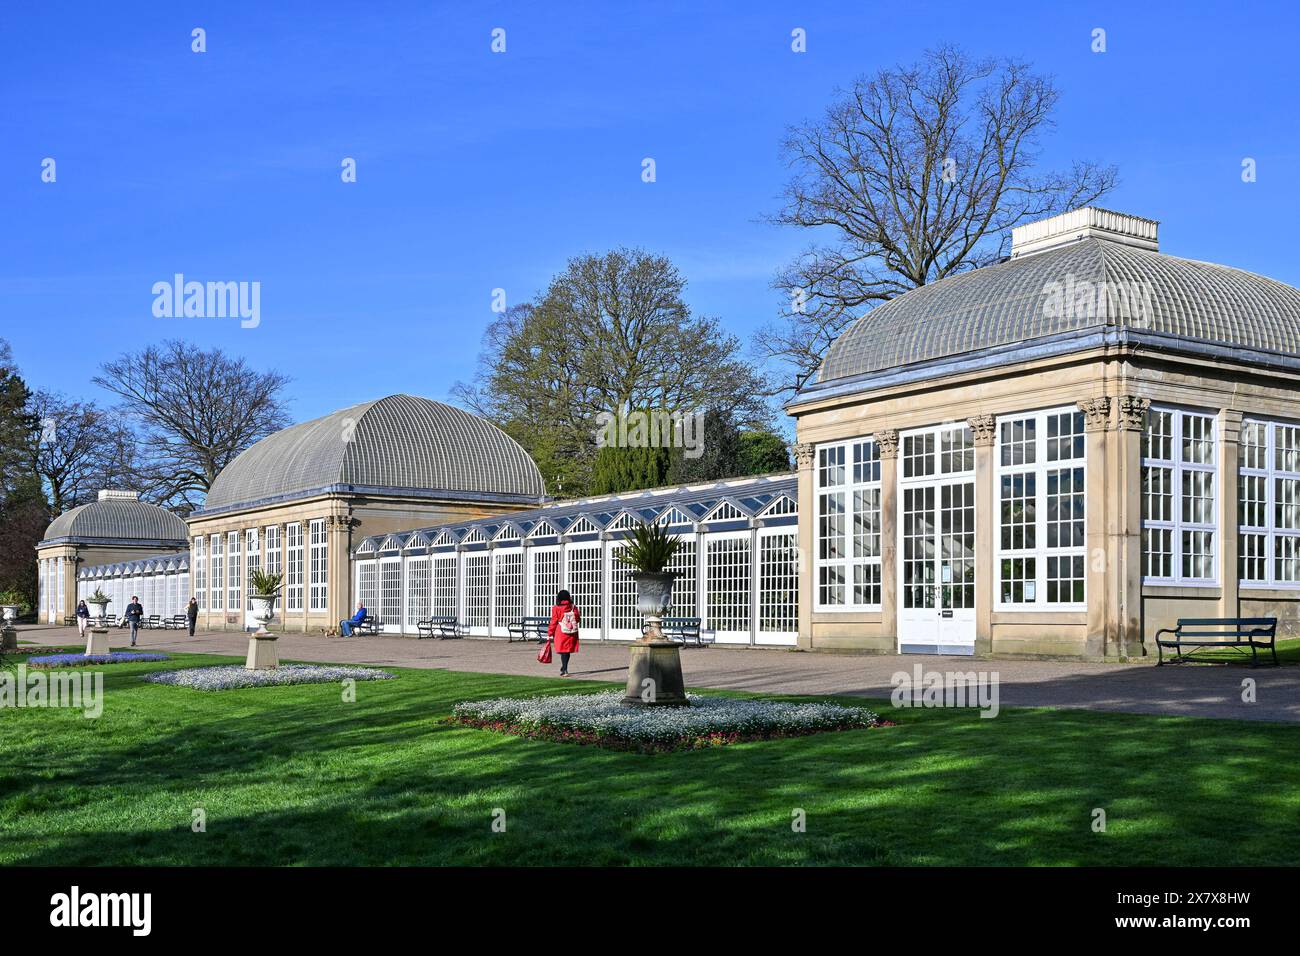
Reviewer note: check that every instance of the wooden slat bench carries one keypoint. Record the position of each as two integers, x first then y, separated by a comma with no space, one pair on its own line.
1239,632
684,629
528,629
371,626
442,627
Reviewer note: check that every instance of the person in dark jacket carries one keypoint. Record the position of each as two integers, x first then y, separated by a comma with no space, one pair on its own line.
346,626
134,612
564,629
192,613
83,617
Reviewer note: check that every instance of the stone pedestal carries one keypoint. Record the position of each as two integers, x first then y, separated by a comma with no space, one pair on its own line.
262,654
97,641
8,639
660,662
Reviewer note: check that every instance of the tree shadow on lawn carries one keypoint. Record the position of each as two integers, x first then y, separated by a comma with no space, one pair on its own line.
293,776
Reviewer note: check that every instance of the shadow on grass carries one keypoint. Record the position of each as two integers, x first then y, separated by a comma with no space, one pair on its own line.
296,776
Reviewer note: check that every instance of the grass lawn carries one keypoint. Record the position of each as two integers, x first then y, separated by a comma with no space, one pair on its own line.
1288,652
296,776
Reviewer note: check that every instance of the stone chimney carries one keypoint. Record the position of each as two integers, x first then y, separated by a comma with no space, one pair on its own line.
1086,223
112,494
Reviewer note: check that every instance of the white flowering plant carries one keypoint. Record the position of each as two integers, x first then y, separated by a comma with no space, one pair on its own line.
603,719
236,676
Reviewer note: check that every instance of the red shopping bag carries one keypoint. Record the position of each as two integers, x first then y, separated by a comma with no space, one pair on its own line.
544,655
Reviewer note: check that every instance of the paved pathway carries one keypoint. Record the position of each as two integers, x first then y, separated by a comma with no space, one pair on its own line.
1194,690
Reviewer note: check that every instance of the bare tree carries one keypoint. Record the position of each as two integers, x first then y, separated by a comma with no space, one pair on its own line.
914,174
76,453
192,412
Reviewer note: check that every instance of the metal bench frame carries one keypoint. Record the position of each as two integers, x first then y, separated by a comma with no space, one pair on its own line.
1237,632
445,627
683,629
528,629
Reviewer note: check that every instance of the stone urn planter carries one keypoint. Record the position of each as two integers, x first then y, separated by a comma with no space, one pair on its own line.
8,636
97,633
261,643
654,672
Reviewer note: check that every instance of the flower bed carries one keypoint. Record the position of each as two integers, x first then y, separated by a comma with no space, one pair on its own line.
602,719
234,676
81,660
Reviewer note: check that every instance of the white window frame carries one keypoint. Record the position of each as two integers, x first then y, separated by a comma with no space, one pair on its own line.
252,561
293,566
710,622
199,561
1041,552
849,489
318,566
1269,530
217,569
234,589
541,599
1177,526
507,589
783,537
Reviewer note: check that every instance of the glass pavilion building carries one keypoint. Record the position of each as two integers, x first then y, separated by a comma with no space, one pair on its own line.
1051,456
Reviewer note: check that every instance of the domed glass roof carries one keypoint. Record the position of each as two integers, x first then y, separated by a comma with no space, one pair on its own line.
122,519
1088,283
395,444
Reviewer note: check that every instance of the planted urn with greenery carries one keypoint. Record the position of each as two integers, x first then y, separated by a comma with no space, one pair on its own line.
264,588
99,600
654,675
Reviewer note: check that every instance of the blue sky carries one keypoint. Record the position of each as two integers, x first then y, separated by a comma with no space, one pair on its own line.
479,171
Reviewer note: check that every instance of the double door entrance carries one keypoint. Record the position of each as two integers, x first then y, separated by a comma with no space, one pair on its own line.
936,546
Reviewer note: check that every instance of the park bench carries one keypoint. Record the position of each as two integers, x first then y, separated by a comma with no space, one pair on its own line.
110,620
1238,632
176,622
372,625
528,629
683,629
70,621
152,622
443,627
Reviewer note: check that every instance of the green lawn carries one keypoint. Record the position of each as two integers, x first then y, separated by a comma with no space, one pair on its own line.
1288,652
294,775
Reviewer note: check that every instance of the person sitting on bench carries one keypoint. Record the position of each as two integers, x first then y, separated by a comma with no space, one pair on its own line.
346,626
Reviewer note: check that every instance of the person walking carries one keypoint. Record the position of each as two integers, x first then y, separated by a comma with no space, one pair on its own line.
192,613
83,618
564,629
134,612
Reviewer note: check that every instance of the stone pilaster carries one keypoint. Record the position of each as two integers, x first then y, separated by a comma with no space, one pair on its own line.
1126,574
984,428
887,441
804,456
1229,425
1100,507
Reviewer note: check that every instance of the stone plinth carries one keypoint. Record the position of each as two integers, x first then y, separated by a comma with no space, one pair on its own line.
262,654
96,641
660,662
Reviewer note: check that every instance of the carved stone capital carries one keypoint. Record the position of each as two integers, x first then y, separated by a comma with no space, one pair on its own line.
1096,414
887,442
1133,412
985,429
803,454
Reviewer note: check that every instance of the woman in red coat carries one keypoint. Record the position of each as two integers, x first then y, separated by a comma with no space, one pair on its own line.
564,629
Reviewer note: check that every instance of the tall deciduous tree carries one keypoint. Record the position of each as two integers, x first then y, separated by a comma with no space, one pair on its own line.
23,510
81,448
611,332
192,411
912,175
